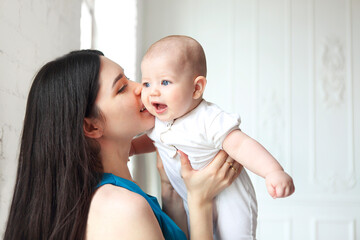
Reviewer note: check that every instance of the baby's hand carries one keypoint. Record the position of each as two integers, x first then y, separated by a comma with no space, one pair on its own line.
279,184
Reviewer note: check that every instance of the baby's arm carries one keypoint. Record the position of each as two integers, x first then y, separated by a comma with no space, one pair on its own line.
257,159
142,144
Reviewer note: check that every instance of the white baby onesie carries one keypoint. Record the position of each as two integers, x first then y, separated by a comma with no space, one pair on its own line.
200,134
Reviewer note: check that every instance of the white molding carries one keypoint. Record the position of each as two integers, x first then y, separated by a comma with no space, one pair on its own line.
314,229
285,222
311,105
333,83
350,177
350,98
312,200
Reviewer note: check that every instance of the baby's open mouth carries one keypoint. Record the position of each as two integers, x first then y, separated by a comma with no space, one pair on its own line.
159,107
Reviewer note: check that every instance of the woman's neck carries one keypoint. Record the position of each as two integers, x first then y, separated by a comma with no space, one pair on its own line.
114,157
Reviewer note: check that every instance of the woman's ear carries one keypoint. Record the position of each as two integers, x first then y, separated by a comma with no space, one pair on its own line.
199,84
92,128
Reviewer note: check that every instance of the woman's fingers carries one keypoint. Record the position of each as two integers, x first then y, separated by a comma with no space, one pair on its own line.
234,170
185,164
219,160
159,163
223,167
229,171
160,167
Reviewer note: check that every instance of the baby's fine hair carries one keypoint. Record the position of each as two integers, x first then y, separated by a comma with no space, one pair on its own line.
188,49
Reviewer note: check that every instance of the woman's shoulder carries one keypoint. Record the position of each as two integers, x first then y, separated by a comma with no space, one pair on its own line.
117,202
115,210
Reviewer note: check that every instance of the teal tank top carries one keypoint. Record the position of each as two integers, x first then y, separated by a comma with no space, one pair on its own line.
169,228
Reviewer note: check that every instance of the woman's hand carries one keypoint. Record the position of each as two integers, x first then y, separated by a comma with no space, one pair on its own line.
202,186
205,184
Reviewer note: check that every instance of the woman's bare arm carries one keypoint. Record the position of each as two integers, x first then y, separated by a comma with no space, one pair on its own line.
172,203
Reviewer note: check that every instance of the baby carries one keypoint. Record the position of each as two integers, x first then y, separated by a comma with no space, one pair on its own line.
174,79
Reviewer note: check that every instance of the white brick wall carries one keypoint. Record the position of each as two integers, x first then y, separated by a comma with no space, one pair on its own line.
32,32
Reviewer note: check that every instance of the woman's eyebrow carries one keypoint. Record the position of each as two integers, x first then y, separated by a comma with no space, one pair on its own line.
120,76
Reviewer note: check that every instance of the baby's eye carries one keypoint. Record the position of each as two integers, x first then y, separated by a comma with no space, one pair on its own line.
165,82
146,84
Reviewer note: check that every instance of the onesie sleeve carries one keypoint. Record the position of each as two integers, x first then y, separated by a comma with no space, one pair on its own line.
220,126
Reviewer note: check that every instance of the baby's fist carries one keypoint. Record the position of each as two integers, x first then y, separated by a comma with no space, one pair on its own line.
279,184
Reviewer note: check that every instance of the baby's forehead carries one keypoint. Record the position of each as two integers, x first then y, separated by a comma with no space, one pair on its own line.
173,58
178,48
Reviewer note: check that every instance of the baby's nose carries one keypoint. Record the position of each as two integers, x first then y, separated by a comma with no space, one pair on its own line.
155,91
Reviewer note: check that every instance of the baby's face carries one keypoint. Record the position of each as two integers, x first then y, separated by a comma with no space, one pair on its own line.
168,88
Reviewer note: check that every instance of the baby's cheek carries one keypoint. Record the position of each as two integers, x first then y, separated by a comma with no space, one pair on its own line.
145,101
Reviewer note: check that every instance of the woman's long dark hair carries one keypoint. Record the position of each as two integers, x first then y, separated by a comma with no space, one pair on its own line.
58,166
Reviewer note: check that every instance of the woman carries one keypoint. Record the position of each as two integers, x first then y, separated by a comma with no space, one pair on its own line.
81,116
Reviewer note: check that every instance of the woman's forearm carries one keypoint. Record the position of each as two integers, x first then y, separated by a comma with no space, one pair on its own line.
173,206
172,203
201,219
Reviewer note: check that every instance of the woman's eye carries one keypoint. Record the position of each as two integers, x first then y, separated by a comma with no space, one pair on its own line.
122,89
165,82
146,84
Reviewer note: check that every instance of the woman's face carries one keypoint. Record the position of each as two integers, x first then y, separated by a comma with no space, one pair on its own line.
119,101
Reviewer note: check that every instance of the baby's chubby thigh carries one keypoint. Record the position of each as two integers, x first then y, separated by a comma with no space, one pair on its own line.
235,211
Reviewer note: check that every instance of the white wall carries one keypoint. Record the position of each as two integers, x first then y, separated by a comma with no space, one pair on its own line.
32,33
291,69
115,32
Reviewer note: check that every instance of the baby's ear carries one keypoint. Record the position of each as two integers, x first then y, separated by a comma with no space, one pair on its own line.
199,87
93,128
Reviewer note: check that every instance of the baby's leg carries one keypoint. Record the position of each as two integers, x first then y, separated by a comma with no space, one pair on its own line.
236,211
